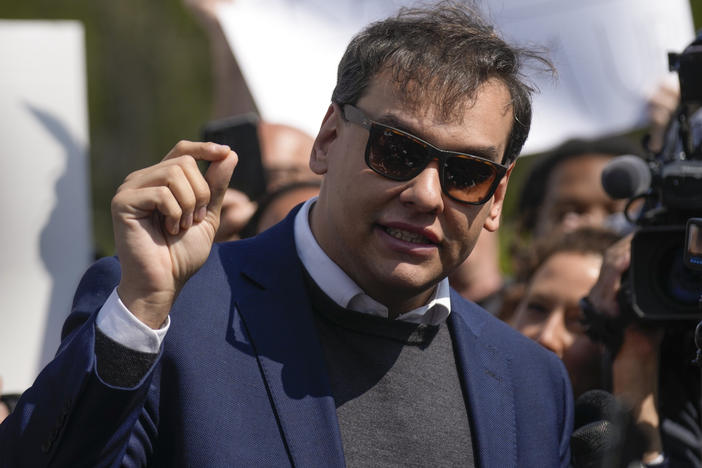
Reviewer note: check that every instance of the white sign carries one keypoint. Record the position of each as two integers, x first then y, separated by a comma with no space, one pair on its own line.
610,55
45,237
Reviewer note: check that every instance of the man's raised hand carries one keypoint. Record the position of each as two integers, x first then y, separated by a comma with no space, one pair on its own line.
165,218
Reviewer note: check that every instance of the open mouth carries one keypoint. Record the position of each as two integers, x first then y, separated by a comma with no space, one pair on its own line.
407,236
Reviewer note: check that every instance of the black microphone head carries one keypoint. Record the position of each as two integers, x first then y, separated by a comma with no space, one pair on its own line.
597,438
626,176
596,405
605,433
595,445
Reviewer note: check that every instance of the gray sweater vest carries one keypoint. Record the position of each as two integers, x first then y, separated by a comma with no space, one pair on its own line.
399,399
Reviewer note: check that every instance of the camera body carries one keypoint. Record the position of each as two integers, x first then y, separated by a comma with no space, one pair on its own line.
665,285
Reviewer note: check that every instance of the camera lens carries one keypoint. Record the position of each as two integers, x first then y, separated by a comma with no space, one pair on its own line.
663,287
680,284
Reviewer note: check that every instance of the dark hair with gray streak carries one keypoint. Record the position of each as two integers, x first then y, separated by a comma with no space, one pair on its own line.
445,50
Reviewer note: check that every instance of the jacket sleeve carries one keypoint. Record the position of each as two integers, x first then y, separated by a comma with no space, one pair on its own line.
70,416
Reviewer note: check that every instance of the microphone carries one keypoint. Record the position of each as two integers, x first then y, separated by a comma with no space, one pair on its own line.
604,435
626,176
596,439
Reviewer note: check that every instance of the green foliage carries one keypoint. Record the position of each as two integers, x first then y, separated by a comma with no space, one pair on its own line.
149,85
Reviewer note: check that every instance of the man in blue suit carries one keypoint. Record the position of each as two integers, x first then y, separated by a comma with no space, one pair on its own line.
333,338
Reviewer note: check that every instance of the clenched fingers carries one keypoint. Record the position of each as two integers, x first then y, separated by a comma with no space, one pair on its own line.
142,202
184,195
182,178
222,162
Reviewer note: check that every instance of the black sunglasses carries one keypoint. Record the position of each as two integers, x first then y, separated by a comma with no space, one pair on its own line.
401,156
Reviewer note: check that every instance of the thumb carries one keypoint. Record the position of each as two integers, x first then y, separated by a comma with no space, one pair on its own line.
217,176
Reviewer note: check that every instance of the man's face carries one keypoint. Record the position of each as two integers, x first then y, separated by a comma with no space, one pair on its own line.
574,196
396,240
549,314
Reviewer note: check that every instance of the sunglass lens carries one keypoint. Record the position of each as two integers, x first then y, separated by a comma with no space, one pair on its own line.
394,155
398,156
467,179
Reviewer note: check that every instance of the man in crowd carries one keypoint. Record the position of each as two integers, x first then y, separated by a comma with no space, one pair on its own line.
332,338
564,190
561,193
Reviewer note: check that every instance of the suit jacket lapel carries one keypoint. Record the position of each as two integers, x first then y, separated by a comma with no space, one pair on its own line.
488,383
278,318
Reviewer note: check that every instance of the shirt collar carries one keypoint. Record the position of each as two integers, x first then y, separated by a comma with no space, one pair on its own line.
345,292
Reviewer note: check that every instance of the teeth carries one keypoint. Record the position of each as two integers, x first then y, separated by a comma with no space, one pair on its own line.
407,236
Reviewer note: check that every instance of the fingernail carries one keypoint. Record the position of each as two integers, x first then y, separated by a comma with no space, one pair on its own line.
225,147
187,221
200,214
173,226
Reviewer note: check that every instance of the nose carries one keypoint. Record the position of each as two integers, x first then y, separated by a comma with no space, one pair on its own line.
424,191
552,334
595,216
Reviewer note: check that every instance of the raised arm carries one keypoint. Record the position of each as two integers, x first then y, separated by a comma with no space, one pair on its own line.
165,218
636,363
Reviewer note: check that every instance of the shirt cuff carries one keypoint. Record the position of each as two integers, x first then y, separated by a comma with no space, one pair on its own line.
115,321
659,462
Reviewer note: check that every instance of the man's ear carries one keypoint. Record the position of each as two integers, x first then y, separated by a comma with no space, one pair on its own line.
326,136
492,222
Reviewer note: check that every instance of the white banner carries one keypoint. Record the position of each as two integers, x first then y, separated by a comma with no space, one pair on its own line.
45,235
610,55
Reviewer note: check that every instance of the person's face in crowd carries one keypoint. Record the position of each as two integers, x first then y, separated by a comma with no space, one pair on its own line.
574,196
285,154
395,239
549,314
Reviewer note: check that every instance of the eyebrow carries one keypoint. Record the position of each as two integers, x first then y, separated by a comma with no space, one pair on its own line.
486,152
540,297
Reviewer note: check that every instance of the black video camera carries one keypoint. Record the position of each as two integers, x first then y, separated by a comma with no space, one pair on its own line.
665,191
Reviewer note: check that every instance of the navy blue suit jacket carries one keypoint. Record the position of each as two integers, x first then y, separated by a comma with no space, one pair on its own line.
241,380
